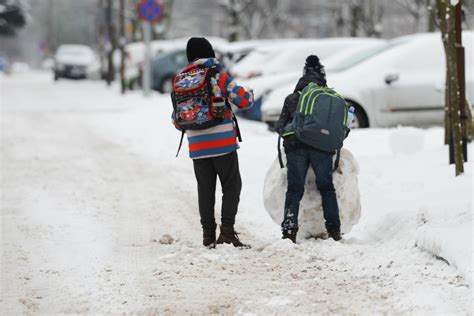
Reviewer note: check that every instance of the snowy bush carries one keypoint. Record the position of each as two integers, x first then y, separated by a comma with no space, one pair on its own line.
311,221
407,140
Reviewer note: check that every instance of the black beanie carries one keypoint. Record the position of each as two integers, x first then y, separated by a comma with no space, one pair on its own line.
313,67
199,47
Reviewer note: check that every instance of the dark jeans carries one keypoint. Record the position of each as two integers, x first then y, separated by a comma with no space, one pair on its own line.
206,171
298,162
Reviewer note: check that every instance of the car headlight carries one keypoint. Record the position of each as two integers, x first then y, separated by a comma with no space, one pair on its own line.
60,67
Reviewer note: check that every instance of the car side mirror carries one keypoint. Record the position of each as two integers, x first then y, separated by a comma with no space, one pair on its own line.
391,78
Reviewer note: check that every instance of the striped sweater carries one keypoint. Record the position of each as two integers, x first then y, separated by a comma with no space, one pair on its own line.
221,139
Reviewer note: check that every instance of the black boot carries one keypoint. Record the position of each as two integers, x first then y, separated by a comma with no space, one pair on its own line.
229,236
290,234
334,232
209,237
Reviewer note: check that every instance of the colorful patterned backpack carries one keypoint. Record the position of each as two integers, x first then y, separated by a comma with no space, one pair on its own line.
194,104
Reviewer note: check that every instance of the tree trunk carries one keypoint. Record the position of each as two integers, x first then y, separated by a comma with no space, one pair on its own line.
122,45
446,21
470,123
431,22
356,13
460,53
112,42
339,22
234,23
447,113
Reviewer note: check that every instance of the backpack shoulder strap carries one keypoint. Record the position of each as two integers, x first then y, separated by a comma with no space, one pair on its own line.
234,118
280,159
180,143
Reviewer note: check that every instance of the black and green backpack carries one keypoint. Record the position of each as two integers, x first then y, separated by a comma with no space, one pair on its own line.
320,119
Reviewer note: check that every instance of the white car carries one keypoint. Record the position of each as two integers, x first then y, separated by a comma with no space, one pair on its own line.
76,62
284,56
234,52
329,51
401,83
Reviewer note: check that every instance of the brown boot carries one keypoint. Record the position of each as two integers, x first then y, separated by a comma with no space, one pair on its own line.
229,236
334,232
209,237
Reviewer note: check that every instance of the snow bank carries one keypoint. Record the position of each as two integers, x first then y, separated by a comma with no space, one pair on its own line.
407,140
311,219
411,196
448,236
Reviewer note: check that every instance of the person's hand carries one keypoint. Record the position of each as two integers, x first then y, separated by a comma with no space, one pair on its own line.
252,95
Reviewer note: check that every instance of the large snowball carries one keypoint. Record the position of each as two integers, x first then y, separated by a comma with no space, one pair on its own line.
310,220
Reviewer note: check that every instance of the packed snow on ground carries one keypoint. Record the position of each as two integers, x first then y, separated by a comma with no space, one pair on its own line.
311,220
98,217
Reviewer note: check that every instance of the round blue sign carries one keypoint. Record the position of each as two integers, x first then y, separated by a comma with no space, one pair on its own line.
150,10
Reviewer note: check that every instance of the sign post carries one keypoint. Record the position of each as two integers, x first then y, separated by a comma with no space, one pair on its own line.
149,12
147,64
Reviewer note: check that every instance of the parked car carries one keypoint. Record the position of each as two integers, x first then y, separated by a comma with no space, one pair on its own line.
76,62
135,55
165,67
327,50
234,52
401,83
287,55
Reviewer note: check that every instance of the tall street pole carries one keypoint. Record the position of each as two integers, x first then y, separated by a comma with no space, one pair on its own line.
147,64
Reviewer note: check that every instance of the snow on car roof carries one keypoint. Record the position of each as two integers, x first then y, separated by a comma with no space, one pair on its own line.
279,54
73,48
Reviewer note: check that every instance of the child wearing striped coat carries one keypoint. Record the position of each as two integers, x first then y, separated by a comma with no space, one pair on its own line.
214,150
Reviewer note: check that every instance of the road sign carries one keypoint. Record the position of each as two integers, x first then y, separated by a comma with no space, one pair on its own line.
147,65
150,11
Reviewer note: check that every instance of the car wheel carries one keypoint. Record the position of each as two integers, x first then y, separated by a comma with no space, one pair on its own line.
56,77
360,117
167,85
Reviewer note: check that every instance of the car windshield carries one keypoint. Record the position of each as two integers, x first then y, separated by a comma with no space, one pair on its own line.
74,50
255,59
362,55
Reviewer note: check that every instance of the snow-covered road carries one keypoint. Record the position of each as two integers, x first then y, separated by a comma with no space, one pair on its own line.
90,186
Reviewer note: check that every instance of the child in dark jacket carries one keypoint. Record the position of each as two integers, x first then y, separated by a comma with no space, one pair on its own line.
214,150
300,156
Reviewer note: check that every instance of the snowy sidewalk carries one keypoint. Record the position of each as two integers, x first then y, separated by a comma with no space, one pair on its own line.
90,185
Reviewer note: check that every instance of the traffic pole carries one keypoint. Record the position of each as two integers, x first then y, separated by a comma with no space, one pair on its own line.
147,64
149,11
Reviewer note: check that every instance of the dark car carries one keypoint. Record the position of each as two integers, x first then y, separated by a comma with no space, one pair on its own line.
164,67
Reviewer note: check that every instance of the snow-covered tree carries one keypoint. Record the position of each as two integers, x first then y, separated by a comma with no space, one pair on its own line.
417,10
252,19
12,16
